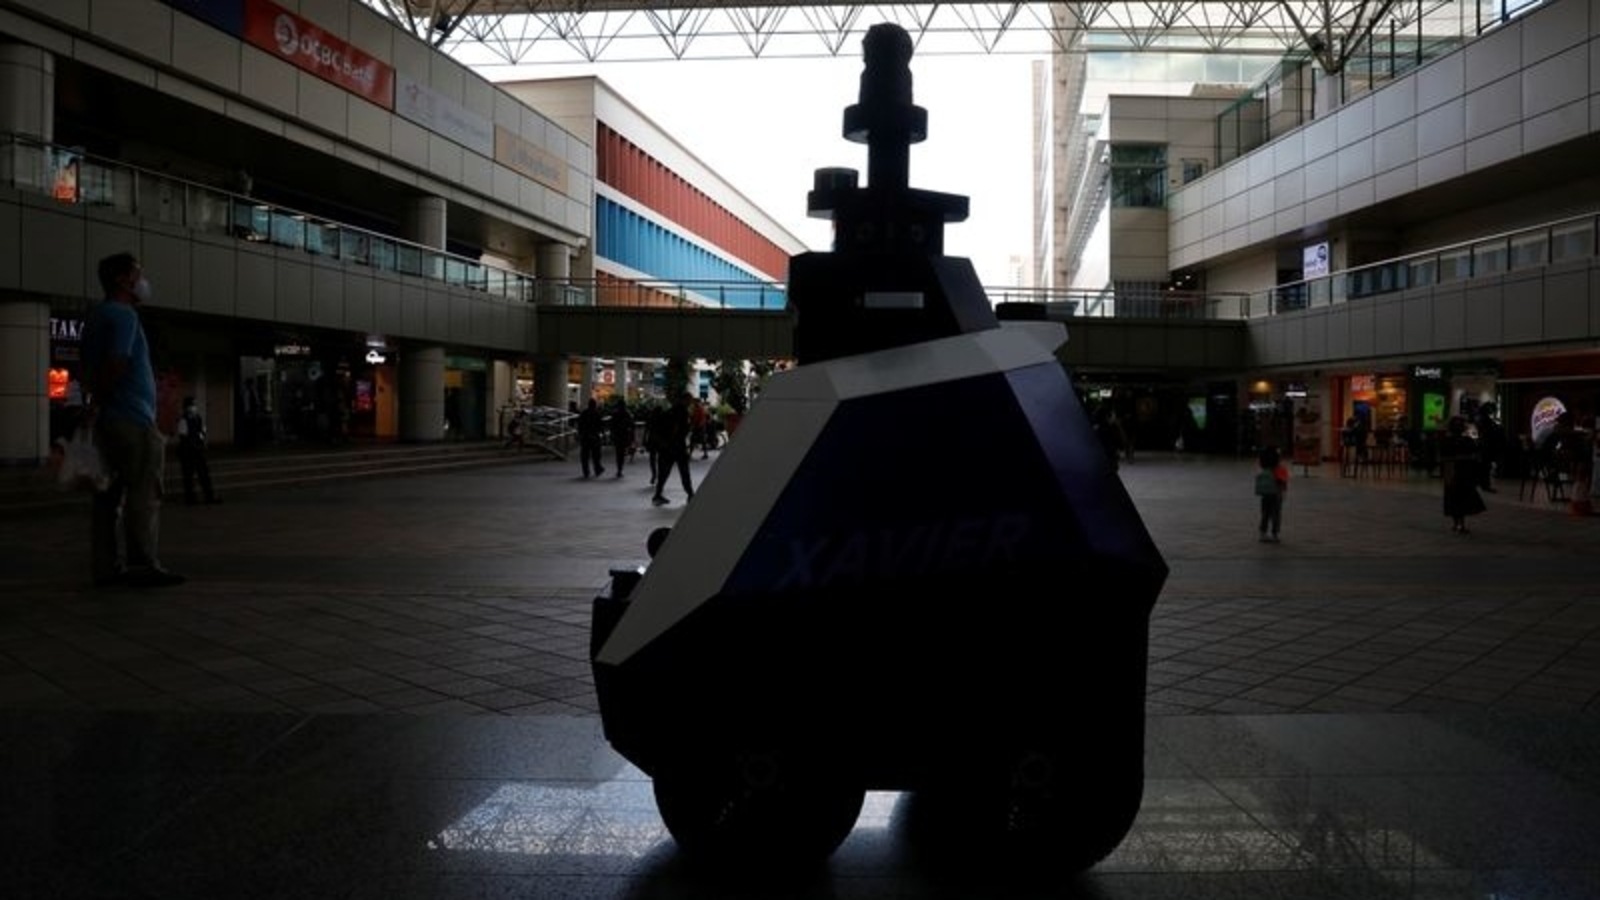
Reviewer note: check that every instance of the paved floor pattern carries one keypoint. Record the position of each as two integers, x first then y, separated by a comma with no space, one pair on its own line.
381,689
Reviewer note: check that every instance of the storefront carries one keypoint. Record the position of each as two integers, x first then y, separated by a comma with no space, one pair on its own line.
314,388
64,378
466,388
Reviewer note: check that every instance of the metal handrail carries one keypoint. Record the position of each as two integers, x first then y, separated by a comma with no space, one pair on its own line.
71,176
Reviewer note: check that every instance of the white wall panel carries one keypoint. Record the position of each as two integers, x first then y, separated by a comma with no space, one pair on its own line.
1396,182
408,143
1493,56
267,80
203,52
1357,195
1441,127
413,309
93,55
327,295
1449,318
1522,311
292,290
358,314
53,251
323,105
1442,166
1395,102
373,34
141,26
387,306
1322,176
1355,120
1395,146
369,126
1559,27
1439,81
1494,148
253,287
1493,107
191,93
1355,162
1564,124
1556,81
1321,138
165,256
212,273
444,158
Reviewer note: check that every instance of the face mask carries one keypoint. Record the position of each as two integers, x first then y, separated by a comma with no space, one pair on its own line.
141,289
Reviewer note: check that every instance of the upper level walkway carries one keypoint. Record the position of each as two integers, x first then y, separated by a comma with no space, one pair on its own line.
1529,289
381,690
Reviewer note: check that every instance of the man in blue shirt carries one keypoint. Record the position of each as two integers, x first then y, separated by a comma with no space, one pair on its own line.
122,406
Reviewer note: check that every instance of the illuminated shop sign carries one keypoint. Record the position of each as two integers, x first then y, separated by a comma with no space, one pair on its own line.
375,358
1543,420
1295,389
291,350
301,43
66,329
1429,373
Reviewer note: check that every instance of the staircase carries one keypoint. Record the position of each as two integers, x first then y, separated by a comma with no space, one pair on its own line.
32,491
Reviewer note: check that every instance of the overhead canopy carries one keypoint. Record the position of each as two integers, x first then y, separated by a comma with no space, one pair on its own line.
517,32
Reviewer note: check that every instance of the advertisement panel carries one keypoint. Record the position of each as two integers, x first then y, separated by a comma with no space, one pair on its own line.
301,43
442,115
515,153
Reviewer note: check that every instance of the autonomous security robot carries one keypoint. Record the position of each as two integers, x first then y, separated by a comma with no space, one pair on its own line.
912,569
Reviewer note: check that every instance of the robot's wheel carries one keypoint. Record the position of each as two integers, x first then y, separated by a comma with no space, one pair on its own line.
1037,812
755,809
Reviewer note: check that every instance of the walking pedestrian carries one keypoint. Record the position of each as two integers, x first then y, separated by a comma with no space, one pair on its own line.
591,438
620,424
1458,469
674,451
122,406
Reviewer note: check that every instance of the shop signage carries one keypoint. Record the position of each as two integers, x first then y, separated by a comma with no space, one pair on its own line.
227,15
1428,373
541,165
1543,420
465,363
375,358
1363,384
291,350
66,329
1295,390
301,43
442,115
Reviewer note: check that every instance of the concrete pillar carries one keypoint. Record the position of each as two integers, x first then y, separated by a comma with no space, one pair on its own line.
502,389
425,221
552,267
550,382
24,398
27,91
422,394
424,224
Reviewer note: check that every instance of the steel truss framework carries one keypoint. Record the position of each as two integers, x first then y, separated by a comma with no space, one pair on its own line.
538,32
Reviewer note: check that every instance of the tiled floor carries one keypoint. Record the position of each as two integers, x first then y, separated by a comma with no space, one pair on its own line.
381,689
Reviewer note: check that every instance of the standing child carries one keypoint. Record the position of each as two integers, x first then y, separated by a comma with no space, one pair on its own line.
1272,482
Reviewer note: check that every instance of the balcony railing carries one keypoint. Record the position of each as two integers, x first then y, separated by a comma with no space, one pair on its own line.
73,177
1561,241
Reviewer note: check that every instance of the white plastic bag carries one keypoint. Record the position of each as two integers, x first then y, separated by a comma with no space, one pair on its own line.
82,469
